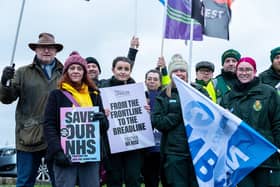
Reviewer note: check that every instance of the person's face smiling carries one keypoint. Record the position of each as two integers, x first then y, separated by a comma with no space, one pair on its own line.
122,71
76,73
245,72
45,54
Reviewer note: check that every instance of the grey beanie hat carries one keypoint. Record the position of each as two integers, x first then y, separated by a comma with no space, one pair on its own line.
177,62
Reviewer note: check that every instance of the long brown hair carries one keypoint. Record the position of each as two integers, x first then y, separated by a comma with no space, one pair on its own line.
86,79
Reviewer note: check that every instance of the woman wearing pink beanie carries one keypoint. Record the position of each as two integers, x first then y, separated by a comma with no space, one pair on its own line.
258,105
75,89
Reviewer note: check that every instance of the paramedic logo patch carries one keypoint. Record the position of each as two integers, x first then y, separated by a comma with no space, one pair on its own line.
257,105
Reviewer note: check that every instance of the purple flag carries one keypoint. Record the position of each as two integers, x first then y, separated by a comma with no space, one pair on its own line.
178,19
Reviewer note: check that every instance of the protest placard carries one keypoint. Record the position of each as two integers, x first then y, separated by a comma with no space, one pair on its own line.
80,135
130,123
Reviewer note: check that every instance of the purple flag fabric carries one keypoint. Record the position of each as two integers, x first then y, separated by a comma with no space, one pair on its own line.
178,19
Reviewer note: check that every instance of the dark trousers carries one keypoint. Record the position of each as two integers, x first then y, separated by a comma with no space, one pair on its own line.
125,168
27,167
86,174
179,171
257,178
151,169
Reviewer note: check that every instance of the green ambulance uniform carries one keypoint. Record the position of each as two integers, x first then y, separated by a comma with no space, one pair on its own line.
223,83
270,77
259,106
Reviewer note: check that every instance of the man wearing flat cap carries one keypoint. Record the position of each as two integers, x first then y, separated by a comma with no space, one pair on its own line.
30,85
204,75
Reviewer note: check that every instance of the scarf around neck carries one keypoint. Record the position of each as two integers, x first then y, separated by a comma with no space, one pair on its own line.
82,96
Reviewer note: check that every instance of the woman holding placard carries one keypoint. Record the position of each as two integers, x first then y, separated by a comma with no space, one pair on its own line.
75,126
123,167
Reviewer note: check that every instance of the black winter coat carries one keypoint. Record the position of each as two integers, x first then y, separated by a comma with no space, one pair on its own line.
270,77
259,106
57,100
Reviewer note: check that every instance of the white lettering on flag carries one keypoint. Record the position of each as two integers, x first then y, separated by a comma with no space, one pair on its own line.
224,148
236,153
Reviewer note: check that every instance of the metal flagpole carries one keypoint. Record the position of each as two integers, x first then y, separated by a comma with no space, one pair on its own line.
135,17
163,27
17,32
190,51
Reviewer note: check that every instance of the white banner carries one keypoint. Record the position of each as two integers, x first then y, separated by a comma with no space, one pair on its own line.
130,123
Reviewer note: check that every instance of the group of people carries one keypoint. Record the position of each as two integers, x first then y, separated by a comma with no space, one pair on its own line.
254,99
46,85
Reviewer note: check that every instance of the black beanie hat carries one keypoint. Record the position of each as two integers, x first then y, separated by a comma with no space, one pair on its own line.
93,60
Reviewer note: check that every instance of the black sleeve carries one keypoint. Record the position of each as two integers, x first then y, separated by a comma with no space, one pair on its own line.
132,55
104,123
51,124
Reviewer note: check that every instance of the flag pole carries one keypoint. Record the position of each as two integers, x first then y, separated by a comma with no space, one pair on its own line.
190,51
17,32
163,27
135,17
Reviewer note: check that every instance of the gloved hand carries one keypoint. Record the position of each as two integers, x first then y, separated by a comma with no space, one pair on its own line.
99,116
61,159
8,74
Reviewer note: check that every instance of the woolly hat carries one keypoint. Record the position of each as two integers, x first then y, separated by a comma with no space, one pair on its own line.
230,53
177,62
248,60
274,52
75,58
94,61
46,39
205,64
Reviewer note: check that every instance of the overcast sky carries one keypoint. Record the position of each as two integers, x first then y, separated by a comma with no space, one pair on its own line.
103,29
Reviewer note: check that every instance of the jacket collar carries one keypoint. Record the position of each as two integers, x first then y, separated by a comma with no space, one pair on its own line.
58,66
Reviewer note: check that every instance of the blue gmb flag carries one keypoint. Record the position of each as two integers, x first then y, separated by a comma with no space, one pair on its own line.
162,1
224,148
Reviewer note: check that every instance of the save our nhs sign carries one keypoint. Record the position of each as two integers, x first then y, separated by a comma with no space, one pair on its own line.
224,149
